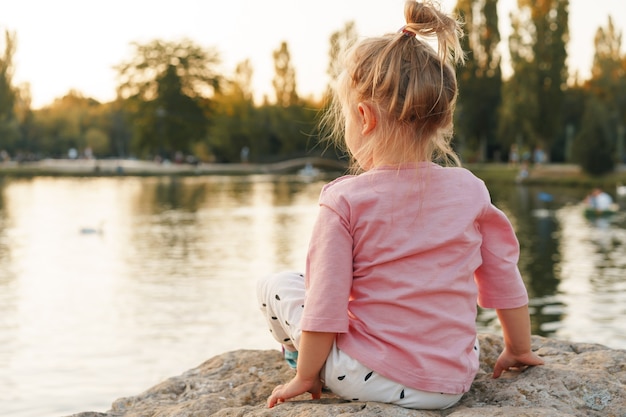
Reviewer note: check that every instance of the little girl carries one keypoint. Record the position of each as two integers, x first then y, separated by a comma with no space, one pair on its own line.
401,253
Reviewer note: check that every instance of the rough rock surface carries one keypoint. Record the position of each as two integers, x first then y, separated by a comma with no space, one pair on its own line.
577,380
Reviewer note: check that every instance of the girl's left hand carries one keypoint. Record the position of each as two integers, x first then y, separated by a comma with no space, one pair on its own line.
507,361
294,388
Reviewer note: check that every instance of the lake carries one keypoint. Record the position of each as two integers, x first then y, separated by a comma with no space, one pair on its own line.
110,285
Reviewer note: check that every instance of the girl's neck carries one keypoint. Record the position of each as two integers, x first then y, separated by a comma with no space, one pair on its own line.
391,150
398,161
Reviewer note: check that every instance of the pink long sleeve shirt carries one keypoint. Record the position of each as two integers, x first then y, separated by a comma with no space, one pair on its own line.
397,263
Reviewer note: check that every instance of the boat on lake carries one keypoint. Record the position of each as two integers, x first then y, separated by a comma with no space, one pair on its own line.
599,204
309,172
592,213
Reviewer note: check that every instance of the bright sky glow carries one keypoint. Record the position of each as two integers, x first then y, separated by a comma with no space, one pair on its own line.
74,44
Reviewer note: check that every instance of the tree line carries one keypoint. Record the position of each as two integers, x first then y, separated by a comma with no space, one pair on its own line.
172,103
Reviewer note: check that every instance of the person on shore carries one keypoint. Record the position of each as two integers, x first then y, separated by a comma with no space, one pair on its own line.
599,200
524,172
513,155
403,250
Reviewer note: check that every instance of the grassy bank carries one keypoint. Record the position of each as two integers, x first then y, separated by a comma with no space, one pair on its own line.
551,174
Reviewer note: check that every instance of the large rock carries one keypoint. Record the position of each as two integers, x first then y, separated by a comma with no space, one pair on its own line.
577,380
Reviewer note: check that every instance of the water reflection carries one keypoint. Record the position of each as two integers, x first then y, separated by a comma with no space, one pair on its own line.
573,266
167,281
166,284
592,284
533,216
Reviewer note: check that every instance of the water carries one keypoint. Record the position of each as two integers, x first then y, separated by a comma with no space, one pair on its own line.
110,285
574,267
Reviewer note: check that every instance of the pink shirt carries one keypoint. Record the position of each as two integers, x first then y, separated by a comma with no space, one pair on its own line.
398,261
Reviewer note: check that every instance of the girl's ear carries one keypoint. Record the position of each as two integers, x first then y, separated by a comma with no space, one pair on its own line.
367,116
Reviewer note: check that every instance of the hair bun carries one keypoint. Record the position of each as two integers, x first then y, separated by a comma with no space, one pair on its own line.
424,18
407,31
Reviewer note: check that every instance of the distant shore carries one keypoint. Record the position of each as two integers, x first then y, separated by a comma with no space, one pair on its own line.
569,175
555,174
133,167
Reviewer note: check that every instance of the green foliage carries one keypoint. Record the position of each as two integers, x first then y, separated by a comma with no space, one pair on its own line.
196,67
284,81
70,122
594,145
572,116
97,141
119,131
10,134
166,88
518,113
600,142
340,41
232,128
608,82
173,121
538,55
293,130
480,79
9,126
269,131
171,98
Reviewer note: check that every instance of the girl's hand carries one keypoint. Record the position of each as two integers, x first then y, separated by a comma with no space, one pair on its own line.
294,388
508,360
314,349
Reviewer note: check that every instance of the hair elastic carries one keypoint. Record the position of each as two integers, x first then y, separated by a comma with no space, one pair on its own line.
406,32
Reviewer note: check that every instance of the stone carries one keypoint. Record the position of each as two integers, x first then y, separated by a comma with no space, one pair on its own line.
578,379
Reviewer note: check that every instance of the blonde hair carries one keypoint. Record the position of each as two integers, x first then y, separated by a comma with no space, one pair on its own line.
410,84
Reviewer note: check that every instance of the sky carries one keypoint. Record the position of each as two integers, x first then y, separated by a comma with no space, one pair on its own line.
75,44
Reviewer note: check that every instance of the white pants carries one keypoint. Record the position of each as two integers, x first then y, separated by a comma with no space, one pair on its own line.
281,299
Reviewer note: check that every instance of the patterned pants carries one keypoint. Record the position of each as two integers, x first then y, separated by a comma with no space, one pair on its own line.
281,299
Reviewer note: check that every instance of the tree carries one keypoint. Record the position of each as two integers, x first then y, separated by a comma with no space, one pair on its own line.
608,82
194,65
480,80
26,120
593,146
270,131
600,142
518,114
242,80
233,126
284,81
73,121
167,86
9,126
180,120
340,41
573,111
119,130
541,32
